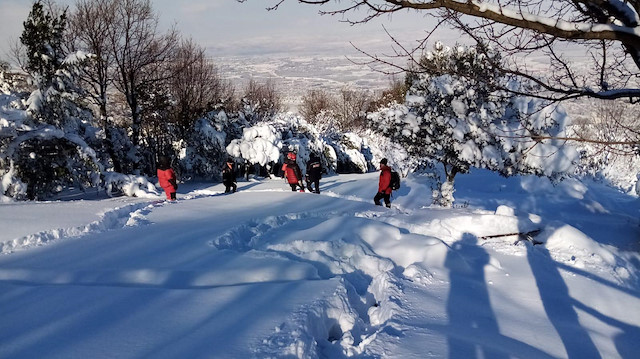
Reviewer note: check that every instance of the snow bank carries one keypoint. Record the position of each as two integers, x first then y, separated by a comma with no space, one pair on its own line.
117,218
129,185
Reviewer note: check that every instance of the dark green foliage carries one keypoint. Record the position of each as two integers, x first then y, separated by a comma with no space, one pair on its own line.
46,166
43,38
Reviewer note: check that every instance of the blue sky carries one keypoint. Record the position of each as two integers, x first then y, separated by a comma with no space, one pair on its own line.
226,27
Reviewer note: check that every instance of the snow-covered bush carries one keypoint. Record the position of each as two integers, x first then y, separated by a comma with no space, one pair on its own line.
204,153
456,114
382,147
129,185
338,152
611,133
266,143
38,159
353,153
258,145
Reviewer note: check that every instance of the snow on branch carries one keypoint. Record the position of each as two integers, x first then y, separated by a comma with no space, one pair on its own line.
259,144
49,132
625,28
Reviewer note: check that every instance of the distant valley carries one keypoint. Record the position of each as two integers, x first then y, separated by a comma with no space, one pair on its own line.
295,75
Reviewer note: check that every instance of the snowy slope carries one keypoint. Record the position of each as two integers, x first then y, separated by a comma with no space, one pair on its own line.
266,272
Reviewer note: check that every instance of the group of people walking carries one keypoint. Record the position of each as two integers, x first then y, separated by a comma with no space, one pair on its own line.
290,172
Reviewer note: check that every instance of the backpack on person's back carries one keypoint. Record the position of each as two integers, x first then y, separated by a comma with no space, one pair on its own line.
395,180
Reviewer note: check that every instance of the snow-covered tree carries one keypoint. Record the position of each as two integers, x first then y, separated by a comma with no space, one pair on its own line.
51,145
261,102
455,115
42,38
259,145
204,152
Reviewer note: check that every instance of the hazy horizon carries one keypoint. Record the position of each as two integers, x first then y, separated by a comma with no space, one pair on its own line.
230,28
294,46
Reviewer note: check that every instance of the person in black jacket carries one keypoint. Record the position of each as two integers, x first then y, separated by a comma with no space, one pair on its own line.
229,177
314,173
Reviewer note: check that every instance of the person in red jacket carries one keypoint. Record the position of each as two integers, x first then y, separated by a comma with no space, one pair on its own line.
384,185
167,177
291,171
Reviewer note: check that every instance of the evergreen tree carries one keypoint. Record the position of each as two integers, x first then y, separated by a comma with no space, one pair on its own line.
43,38
57,149
456,115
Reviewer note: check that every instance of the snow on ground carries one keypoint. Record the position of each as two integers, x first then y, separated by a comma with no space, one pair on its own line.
266,272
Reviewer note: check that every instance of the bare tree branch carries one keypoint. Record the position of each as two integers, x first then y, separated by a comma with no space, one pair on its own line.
524,27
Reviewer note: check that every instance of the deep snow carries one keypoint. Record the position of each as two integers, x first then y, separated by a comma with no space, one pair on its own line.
266,272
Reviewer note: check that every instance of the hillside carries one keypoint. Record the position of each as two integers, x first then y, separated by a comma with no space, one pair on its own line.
266,272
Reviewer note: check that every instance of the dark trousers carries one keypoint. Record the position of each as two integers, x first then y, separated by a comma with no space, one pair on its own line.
294,186
314,186
170,195
229,187
385,196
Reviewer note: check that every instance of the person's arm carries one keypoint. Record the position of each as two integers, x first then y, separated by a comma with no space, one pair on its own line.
172,179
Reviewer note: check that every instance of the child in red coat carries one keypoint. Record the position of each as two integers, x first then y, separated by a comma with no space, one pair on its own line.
167,177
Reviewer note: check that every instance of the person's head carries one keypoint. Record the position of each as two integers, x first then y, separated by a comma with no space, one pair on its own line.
383,161
291,156
164,162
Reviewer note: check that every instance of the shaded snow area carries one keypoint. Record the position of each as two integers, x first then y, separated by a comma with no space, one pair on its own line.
270,273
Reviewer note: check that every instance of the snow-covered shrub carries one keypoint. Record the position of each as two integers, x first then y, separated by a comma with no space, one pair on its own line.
382,147
39,159
456,114
204,153
353,153
259,144
266,143
611,133
11,187
299,136
338,152
619,170
129,185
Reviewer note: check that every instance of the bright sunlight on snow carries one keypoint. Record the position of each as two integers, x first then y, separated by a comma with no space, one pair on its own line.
270,273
